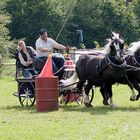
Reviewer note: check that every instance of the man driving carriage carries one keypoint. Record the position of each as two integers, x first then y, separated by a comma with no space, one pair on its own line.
44,47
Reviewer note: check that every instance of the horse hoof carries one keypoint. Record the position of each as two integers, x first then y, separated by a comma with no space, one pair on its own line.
132,99
88,105
105,102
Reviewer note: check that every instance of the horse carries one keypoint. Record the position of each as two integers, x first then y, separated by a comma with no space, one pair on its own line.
102,72
133,61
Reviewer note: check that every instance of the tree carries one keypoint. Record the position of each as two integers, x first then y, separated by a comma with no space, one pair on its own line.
85,17
98,18
119,18
28,16
5,44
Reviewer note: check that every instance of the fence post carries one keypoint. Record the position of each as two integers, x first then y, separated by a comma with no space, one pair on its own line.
0,64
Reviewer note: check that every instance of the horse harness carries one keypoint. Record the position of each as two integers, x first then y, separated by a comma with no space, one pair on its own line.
106,62
102,65
135,61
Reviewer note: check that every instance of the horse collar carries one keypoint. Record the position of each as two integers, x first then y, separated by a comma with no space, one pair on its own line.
106,62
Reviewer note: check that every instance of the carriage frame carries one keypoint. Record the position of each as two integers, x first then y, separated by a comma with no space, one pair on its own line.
26,89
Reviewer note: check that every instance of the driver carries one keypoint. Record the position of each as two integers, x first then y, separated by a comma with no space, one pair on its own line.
44,46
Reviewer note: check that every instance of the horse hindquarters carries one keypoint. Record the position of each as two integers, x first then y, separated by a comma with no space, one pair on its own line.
86,69
81,72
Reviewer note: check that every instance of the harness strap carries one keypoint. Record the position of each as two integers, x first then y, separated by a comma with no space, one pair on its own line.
135,61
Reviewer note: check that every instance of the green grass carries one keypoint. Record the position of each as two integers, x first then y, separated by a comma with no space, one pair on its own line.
71,122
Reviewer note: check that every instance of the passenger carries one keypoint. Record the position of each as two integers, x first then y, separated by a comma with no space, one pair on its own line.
25,55
45,46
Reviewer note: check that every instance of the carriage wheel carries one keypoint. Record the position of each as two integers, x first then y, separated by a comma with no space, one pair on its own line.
27,94
64,97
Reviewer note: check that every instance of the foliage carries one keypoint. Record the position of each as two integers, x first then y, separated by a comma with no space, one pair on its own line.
85,17
119,18
29,16
97,18
5,44
136,5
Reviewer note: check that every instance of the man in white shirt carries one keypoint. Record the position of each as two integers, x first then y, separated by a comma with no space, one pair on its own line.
45,46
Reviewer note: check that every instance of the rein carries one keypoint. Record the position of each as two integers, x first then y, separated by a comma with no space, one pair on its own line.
135,61
59,69
128,67
115,65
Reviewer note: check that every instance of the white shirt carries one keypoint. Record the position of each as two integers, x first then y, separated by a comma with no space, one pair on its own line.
49,45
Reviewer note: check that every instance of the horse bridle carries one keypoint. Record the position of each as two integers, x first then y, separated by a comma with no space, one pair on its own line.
117,42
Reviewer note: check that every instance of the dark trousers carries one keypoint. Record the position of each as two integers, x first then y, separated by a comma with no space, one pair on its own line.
58,66
29,72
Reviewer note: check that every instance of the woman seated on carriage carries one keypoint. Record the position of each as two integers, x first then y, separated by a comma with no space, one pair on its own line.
25,55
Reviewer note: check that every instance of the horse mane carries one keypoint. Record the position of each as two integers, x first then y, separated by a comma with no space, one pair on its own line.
134,46
107,46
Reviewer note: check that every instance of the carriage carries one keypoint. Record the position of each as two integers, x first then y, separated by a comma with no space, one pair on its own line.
26,86
102,71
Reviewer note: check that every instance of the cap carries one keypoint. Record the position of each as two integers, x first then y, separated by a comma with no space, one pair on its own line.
42,31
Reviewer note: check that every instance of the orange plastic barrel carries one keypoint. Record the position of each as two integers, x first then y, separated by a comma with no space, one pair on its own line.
46,93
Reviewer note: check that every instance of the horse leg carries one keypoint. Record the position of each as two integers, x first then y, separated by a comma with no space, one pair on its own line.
133,96
130,84
137,87
86,93
80,85
104,94
109,90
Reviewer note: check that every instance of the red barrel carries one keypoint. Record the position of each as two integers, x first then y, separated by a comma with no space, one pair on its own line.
46,93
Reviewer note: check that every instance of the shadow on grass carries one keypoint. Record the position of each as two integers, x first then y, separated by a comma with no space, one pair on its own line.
19,108
97,110
100,110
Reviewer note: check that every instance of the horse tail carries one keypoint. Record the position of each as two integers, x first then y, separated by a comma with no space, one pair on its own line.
70,82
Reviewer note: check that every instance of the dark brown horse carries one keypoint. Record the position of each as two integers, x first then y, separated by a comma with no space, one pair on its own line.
133,61
103,72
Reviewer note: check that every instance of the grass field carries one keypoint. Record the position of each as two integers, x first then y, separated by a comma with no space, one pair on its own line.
71,122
